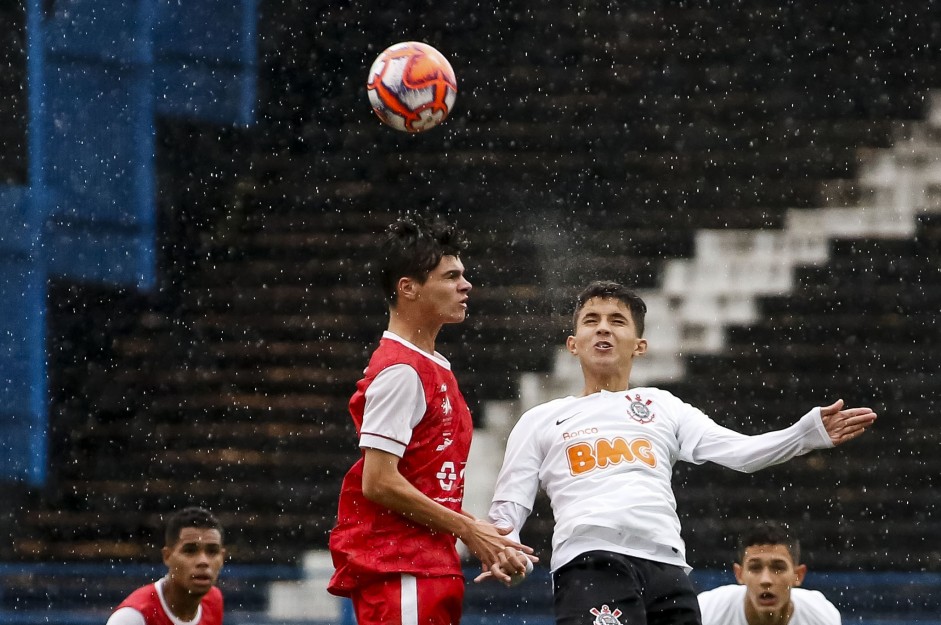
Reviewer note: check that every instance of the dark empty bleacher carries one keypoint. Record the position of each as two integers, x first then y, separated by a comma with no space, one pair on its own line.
862,328
13,108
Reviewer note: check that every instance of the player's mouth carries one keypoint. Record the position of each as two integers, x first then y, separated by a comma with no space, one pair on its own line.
767,598
604,345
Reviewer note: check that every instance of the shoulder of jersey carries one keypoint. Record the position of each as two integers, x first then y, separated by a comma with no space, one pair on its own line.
551,406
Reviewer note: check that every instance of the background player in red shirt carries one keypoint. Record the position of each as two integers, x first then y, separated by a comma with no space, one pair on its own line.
400,505
193,553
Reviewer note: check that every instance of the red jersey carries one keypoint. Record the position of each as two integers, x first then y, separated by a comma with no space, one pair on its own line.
146,600
370,539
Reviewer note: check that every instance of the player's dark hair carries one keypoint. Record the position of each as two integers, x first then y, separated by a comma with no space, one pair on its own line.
192,516
412,248
769,533
607,289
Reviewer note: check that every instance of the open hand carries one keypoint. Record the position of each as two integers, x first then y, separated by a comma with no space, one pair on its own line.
845,424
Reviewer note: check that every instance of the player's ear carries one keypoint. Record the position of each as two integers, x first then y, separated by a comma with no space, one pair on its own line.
737,569
570,345
165,552
641,347
799,572
407,288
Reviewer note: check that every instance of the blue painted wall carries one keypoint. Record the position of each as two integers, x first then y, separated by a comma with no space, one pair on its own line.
98,73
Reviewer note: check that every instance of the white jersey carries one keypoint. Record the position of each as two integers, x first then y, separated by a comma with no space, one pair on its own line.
725,605
606,463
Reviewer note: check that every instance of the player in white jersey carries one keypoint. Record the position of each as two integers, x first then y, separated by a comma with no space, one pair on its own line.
605,460
768,574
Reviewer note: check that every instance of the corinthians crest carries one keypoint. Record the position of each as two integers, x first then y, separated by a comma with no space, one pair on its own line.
605,616
640,410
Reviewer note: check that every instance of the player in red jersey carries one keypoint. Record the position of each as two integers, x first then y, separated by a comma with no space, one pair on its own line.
400,504
188,595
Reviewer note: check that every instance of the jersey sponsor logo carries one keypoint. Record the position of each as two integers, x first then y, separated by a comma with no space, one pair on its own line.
577,433
640,410
447,475
447,443
605,616
585,457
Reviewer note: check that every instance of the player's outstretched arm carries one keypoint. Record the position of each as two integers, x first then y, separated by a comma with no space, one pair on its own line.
844,424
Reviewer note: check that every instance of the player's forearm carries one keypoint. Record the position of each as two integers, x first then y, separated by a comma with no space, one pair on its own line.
483,540
751,453
399,495
509,514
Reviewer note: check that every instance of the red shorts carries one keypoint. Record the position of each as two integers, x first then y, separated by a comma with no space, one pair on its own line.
409,600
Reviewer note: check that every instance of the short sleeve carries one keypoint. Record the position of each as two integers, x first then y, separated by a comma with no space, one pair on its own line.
126,616
395,403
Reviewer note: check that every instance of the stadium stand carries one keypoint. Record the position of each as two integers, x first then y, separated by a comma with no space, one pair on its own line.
588,141
12,109
862,328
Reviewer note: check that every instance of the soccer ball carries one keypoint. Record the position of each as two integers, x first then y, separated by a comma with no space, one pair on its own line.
411,86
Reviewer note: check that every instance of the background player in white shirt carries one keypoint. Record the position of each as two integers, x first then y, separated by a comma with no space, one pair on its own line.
605,460
768,573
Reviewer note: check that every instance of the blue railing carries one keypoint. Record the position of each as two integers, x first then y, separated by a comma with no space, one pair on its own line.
84,593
